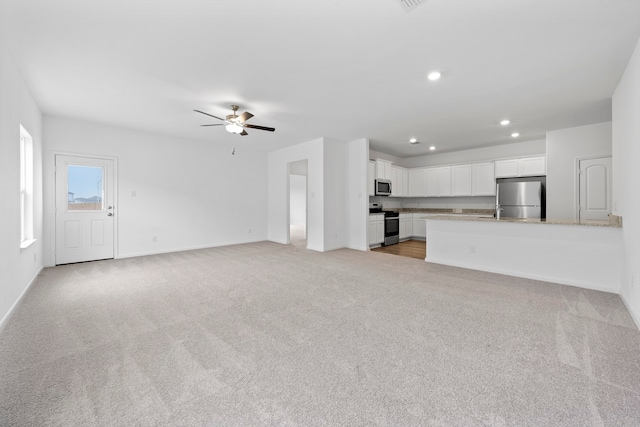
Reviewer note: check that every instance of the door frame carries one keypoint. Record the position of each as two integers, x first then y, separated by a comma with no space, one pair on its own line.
576,177
116,200
306,201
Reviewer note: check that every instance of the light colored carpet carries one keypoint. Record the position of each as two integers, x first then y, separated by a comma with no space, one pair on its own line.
267,334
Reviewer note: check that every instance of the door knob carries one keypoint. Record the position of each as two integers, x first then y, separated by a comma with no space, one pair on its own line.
109,214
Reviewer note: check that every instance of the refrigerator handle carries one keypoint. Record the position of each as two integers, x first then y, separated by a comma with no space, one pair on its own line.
498,208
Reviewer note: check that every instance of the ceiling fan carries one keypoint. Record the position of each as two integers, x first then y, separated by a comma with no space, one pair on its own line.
235,123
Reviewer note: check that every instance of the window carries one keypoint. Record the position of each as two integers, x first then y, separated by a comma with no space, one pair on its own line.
26,188
85,188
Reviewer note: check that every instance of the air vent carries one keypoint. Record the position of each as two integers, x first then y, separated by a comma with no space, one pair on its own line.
409,5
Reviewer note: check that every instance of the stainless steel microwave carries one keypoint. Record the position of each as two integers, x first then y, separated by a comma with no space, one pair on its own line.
383,187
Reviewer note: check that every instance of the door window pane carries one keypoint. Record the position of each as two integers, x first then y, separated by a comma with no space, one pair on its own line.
85,188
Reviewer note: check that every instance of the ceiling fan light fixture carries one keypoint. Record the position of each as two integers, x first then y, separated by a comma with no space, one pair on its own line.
234,128
413,141
434,75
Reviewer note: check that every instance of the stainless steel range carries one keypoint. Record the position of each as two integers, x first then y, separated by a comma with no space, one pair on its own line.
391,224
391,228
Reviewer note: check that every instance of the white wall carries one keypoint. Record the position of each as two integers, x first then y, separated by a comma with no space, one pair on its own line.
373,155
298,199
516,149
334,194
336,188
626,178
564,148
190,194
278,192
576,255
357,200
18,267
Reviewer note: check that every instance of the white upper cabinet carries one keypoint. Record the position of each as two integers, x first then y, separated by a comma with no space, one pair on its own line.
417,182
483,180
444,181
439,181
405,182
461,180
383,169
524,166
371,176
506,168
432,182
399,181
532,166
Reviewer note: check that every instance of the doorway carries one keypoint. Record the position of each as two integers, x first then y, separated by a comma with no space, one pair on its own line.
594,195
298,203
84,220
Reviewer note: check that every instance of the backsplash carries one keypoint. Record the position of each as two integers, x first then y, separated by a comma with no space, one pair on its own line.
436,202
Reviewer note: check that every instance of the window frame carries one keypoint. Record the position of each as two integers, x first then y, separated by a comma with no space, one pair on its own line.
26,189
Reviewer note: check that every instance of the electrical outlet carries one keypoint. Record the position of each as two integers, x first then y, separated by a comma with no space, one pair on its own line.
472,249
154,239
34,258
633,282
249,231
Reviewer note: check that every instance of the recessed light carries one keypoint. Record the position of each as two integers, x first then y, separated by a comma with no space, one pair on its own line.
515,134
434,75
505,122
432,148
413,141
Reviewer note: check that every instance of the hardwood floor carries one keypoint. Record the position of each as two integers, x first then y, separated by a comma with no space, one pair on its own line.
410,248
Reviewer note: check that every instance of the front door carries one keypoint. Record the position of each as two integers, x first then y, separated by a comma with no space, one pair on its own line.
84,209
595,189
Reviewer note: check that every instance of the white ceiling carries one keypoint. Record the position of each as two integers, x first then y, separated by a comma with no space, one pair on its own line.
327,68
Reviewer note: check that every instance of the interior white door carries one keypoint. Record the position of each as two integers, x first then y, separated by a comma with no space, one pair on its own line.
84,209
595,189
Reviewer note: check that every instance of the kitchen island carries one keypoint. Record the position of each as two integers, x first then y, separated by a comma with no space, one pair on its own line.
586,254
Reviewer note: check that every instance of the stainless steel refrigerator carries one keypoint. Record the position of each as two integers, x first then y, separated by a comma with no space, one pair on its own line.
520,198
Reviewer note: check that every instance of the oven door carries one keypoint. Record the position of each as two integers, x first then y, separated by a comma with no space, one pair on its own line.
391,230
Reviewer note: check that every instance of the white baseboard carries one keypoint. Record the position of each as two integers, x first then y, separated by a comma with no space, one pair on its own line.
187,248
7,316
527,276
634,315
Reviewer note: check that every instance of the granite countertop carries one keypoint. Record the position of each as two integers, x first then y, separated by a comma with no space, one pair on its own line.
446,211
614,220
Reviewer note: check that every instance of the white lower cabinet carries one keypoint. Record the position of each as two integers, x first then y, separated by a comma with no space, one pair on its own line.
406,226
419,226
376,229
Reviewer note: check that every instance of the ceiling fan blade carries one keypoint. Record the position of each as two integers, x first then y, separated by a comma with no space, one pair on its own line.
244,117
260,127
219,124
207,114
244,133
